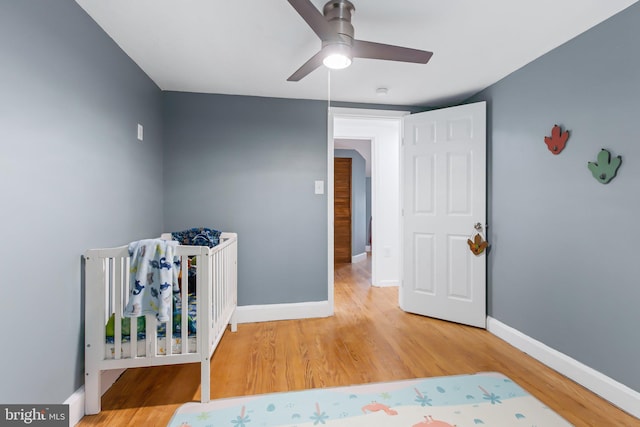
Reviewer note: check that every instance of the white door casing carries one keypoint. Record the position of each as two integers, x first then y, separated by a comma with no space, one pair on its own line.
443,197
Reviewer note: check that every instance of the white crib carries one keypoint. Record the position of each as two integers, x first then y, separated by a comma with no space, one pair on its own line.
107,292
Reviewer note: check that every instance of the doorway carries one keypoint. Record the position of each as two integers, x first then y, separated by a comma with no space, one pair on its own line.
359,152
342,202
382,131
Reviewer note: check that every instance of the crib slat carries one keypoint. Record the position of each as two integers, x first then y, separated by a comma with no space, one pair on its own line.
225,281
108,289
184,298
133,325
133,338
117,275
216,289
201,299
221,302
221,291
168,336
233,284
151,335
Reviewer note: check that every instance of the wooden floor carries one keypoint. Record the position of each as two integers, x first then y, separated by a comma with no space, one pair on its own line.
368,340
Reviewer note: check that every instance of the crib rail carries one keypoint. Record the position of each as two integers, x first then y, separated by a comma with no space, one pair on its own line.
106,294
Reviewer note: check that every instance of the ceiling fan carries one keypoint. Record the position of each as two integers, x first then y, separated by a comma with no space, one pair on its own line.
334,28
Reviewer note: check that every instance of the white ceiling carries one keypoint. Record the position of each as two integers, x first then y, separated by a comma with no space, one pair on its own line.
250,47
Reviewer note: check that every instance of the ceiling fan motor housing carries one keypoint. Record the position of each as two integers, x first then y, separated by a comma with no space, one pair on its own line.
338,13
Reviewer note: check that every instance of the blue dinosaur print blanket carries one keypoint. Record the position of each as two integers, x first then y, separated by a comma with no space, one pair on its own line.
199,236
154,278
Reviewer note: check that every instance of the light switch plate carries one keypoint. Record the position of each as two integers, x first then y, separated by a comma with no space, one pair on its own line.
320,187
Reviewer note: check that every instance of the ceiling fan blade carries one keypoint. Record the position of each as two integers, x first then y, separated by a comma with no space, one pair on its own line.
371,50
313,18
314,62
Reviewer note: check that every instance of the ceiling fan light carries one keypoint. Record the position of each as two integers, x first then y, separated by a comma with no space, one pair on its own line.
338,56
336,61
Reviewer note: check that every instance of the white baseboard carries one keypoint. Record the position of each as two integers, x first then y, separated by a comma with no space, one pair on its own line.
619,394
272,312
359,257
386,283
76,406
76,400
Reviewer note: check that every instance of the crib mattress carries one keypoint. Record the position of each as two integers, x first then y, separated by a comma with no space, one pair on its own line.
125,352
176,340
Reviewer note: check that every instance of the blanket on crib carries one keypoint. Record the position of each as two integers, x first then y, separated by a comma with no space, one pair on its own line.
199,236
154,278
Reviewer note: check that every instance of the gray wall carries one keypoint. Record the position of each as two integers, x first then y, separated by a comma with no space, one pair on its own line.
72,177
248,164
564,266
358,199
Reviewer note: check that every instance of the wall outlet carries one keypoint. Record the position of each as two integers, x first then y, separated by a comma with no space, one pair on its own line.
140,132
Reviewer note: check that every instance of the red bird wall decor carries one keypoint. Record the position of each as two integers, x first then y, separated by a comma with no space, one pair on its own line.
557,140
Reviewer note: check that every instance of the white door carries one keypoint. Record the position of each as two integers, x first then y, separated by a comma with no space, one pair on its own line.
444,197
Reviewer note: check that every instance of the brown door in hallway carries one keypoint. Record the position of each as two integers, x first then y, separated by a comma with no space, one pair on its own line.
342,210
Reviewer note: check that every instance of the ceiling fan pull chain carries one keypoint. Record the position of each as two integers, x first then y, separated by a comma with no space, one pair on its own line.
329,90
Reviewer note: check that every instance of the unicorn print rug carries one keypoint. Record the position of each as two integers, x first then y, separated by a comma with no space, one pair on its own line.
484,399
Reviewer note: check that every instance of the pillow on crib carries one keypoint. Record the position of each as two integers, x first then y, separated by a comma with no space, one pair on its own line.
126,326
198,237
